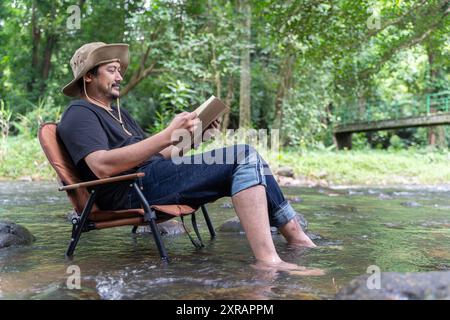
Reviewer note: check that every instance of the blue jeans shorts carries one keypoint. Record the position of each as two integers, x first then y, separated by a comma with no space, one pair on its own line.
203,178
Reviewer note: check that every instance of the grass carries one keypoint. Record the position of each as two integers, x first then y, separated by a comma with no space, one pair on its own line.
370,167
22,158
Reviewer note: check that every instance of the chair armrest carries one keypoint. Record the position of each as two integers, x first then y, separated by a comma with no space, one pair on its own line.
125,177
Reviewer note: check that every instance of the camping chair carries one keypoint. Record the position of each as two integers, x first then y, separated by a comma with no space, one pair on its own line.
89,216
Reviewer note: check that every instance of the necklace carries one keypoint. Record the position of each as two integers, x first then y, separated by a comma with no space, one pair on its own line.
120,118
102,105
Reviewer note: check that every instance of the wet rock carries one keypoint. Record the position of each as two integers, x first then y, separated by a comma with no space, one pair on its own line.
12,234
443,267
393,225
294,199
289,182
285,172
340,208
333,194
355,193
167,228
435,224
313,236
231,225
399,286
383,196
234,225
411,204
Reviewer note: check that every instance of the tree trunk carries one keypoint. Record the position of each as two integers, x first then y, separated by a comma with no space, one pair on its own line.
46,63
436,134
245,85
36,38
228,100
285,83
217,79
142,71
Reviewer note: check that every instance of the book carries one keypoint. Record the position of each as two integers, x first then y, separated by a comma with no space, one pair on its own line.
210,110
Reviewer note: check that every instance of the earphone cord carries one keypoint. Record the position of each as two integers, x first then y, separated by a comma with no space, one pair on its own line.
104,107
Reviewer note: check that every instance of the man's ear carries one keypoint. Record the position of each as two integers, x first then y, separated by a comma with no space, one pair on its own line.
88,77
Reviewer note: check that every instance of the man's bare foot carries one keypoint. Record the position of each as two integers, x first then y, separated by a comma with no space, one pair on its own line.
294,234
291,268
302,241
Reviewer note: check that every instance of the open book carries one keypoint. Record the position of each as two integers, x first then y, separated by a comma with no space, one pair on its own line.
210,110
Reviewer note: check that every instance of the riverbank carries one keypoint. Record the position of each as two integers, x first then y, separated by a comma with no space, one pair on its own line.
366,167
23,159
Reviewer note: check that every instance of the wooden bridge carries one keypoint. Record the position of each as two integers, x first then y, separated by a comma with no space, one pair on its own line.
436,112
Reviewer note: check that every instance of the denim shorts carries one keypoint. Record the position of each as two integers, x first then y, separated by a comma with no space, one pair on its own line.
203,178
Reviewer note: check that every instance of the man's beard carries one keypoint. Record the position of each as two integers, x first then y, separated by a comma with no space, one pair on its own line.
113,95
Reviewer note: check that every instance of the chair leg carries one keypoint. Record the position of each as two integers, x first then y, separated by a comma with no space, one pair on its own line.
150,217
197,233
212,232
196,244
76,232
134,229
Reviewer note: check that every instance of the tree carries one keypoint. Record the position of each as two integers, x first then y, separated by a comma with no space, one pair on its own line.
244,90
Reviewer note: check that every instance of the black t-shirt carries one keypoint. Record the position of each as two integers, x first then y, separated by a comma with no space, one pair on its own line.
85,128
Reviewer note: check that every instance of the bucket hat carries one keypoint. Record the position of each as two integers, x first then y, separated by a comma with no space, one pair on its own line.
91,55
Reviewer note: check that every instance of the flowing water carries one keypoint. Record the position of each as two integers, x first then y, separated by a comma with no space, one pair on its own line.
398,229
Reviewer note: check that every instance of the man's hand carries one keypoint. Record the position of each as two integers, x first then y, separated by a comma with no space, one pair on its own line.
188,121
212,130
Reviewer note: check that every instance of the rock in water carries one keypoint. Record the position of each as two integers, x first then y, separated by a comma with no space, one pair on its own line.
398,286
294,199
234,225
411,204
285,172
12,234
167,228
227,206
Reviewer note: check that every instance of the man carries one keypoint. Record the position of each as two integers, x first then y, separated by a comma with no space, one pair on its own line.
103,140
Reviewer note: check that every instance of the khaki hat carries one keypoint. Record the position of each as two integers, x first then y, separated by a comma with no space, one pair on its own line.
91,55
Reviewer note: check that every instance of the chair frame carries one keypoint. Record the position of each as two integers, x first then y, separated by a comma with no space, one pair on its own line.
81,222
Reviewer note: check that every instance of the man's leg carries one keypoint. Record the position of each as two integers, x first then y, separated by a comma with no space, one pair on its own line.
196,184
293,233
282,215
251,208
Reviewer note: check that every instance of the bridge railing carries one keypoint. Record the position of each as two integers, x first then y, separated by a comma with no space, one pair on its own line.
373,111
438,102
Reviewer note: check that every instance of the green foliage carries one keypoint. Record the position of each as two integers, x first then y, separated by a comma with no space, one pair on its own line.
28,124
177,97
303,123
319,58
23,157
359,141
396,143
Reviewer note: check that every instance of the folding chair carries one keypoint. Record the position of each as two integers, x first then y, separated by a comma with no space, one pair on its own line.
89,216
